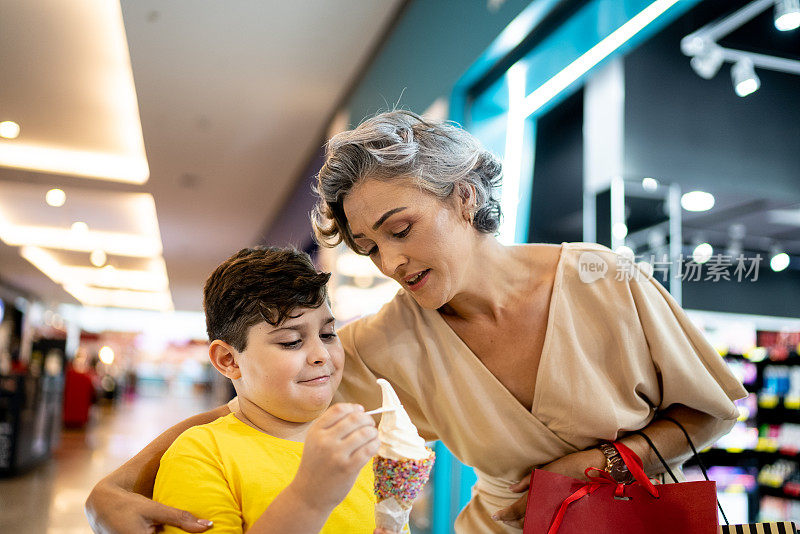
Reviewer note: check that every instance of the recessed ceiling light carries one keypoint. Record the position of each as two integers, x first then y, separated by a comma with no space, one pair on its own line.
650,184
697,201
702,253
55,198
79,227
779,262
98,258
9,129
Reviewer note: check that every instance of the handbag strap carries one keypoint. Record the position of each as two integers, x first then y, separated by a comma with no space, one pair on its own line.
661,458
694,453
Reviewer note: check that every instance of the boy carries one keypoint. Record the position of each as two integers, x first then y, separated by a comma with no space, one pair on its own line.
283,462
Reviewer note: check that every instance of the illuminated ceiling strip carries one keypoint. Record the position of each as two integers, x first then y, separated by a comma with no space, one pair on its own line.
90,296
112,91
117,243
104,166
552,87
118,298
154,279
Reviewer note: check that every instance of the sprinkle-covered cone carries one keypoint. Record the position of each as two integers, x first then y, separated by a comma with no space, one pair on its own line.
397,484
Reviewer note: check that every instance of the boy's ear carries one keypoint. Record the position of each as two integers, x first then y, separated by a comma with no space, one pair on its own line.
223,358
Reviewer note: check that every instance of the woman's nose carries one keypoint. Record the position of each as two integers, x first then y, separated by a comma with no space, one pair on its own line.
391,259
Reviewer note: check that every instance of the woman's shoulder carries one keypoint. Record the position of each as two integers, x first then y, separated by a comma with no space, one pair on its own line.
389,326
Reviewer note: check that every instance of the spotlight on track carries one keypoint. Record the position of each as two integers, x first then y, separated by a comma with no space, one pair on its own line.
707,62
745,79
787,15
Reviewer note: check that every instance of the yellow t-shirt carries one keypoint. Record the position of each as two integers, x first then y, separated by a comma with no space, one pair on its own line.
229,472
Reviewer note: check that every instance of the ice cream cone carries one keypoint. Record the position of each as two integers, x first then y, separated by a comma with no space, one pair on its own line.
402,466
397,485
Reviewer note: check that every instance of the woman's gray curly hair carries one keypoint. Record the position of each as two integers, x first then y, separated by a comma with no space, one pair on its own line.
440,155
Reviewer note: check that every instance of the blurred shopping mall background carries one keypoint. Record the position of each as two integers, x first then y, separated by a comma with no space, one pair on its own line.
143,142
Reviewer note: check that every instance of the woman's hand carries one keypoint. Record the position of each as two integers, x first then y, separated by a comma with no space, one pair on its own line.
118,504
572,465
133,513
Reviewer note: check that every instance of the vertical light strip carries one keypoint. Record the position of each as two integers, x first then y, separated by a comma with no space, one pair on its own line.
549,89
512,159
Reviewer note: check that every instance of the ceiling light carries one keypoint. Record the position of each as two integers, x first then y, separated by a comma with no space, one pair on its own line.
650,184
697,201
153,280
779,262
702,253
745,79
98,258
117,243
55,198
110,146
106,355
619,230
787,15
708,62
79,227
9,129
120,298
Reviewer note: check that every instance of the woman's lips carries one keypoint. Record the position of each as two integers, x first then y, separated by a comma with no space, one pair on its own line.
420,280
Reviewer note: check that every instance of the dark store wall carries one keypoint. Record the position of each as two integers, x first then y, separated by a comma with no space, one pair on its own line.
683,129
557,195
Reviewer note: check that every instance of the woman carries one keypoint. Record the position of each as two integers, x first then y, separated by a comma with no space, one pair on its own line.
511,356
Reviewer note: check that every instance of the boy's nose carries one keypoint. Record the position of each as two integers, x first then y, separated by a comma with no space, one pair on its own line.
319,354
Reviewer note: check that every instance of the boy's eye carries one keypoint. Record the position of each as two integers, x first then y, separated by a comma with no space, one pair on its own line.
328,337
291,344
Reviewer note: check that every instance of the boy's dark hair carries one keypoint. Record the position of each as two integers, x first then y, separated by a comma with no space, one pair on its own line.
259,284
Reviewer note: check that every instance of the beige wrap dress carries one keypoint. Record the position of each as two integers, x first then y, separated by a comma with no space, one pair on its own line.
615,352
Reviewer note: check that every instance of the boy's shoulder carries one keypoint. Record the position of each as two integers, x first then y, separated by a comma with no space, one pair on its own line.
225,437
207,439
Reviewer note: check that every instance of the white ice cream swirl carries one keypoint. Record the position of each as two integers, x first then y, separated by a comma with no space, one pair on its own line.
398,436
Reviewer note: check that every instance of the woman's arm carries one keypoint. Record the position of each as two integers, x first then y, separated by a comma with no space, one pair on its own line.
120,503
704,429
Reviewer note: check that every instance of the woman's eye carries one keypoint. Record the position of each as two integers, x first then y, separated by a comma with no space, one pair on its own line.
371,251
328,337
291,344
402,233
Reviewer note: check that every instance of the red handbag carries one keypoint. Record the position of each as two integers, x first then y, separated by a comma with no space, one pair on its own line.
565,505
